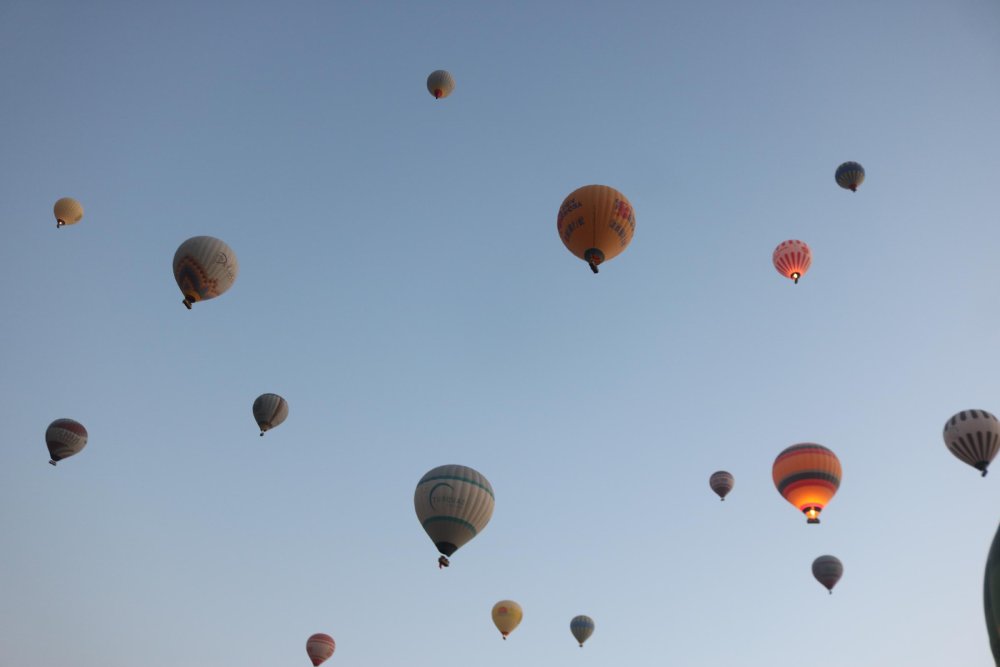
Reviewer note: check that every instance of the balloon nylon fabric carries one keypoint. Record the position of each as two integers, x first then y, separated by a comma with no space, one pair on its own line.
204,268
973,436
453,503
807,475
991,596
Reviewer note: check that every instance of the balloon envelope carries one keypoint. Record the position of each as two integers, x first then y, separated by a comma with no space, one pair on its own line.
204,268
68,211
440,83
722,483
792,259
991,596
973,436
596,223
320,647
269,410
453,503
64,438
807,475
507,615
828,570
582,627
850,175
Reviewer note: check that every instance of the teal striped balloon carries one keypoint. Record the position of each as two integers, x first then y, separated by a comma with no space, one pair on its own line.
453,503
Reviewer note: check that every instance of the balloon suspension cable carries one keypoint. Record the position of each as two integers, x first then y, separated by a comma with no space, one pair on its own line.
52,463
984,473
187,303
443,562
593,267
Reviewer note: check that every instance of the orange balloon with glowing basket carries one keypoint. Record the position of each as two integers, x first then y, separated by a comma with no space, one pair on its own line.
807,475
596,223
792,259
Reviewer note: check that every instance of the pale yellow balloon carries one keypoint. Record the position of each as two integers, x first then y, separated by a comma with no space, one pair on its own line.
68,211
440,83
507,615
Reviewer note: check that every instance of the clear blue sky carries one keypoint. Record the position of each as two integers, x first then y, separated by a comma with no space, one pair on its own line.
403,286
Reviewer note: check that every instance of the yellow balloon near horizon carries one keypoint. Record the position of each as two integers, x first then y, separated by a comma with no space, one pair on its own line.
507,615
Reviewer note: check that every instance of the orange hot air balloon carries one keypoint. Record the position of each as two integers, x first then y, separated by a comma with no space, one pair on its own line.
596,223
807,475
320,647
792,259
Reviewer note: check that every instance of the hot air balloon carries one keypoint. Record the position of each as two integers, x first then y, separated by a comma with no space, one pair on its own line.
792,259
596,223
320,647
850,175
269,410
991,596
974,437
440,83
722,483
453,503
65,438
828,570
582,627
68,211
204,268
807,475
507,615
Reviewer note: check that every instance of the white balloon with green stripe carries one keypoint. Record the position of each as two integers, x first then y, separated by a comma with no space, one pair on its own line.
453,503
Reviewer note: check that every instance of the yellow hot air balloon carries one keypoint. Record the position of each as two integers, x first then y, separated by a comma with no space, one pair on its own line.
507,615
596,223
204,268
68,211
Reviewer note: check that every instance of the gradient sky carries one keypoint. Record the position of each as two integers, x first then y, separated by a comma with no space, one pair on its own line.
403,286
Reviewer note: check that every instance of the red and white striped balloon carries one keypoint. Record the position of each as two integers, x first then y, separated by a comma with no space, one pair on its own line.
64,438
792,259
320,647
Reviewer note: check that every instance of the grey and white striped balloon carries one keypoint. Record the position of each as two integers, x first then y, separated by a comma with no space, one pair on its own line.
973,436
269,410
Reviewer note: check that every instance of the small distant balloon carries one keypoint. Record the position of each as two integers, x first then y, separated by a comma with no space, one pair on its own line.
581,627
596,223
68,211
722,483
850,176
792,259
828,570
320,647
507,616
973,436
269,410
64,438
440,83
204,268
807,475
453,504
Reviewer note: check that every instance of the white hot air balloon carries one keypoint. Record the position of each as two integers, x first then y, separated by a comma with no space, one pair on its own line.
204,268
269,410
453,503
440,83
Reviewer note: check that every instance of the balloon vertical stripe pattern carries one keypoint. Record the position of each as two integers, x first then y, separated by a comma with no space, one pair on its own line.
582,628
64,438
973,436
269,410
453,503
792,259
850,175
807,475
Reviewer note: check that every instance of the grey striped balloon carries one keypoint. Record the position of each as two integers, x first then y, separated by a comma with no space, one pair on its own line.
973,436
269,410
